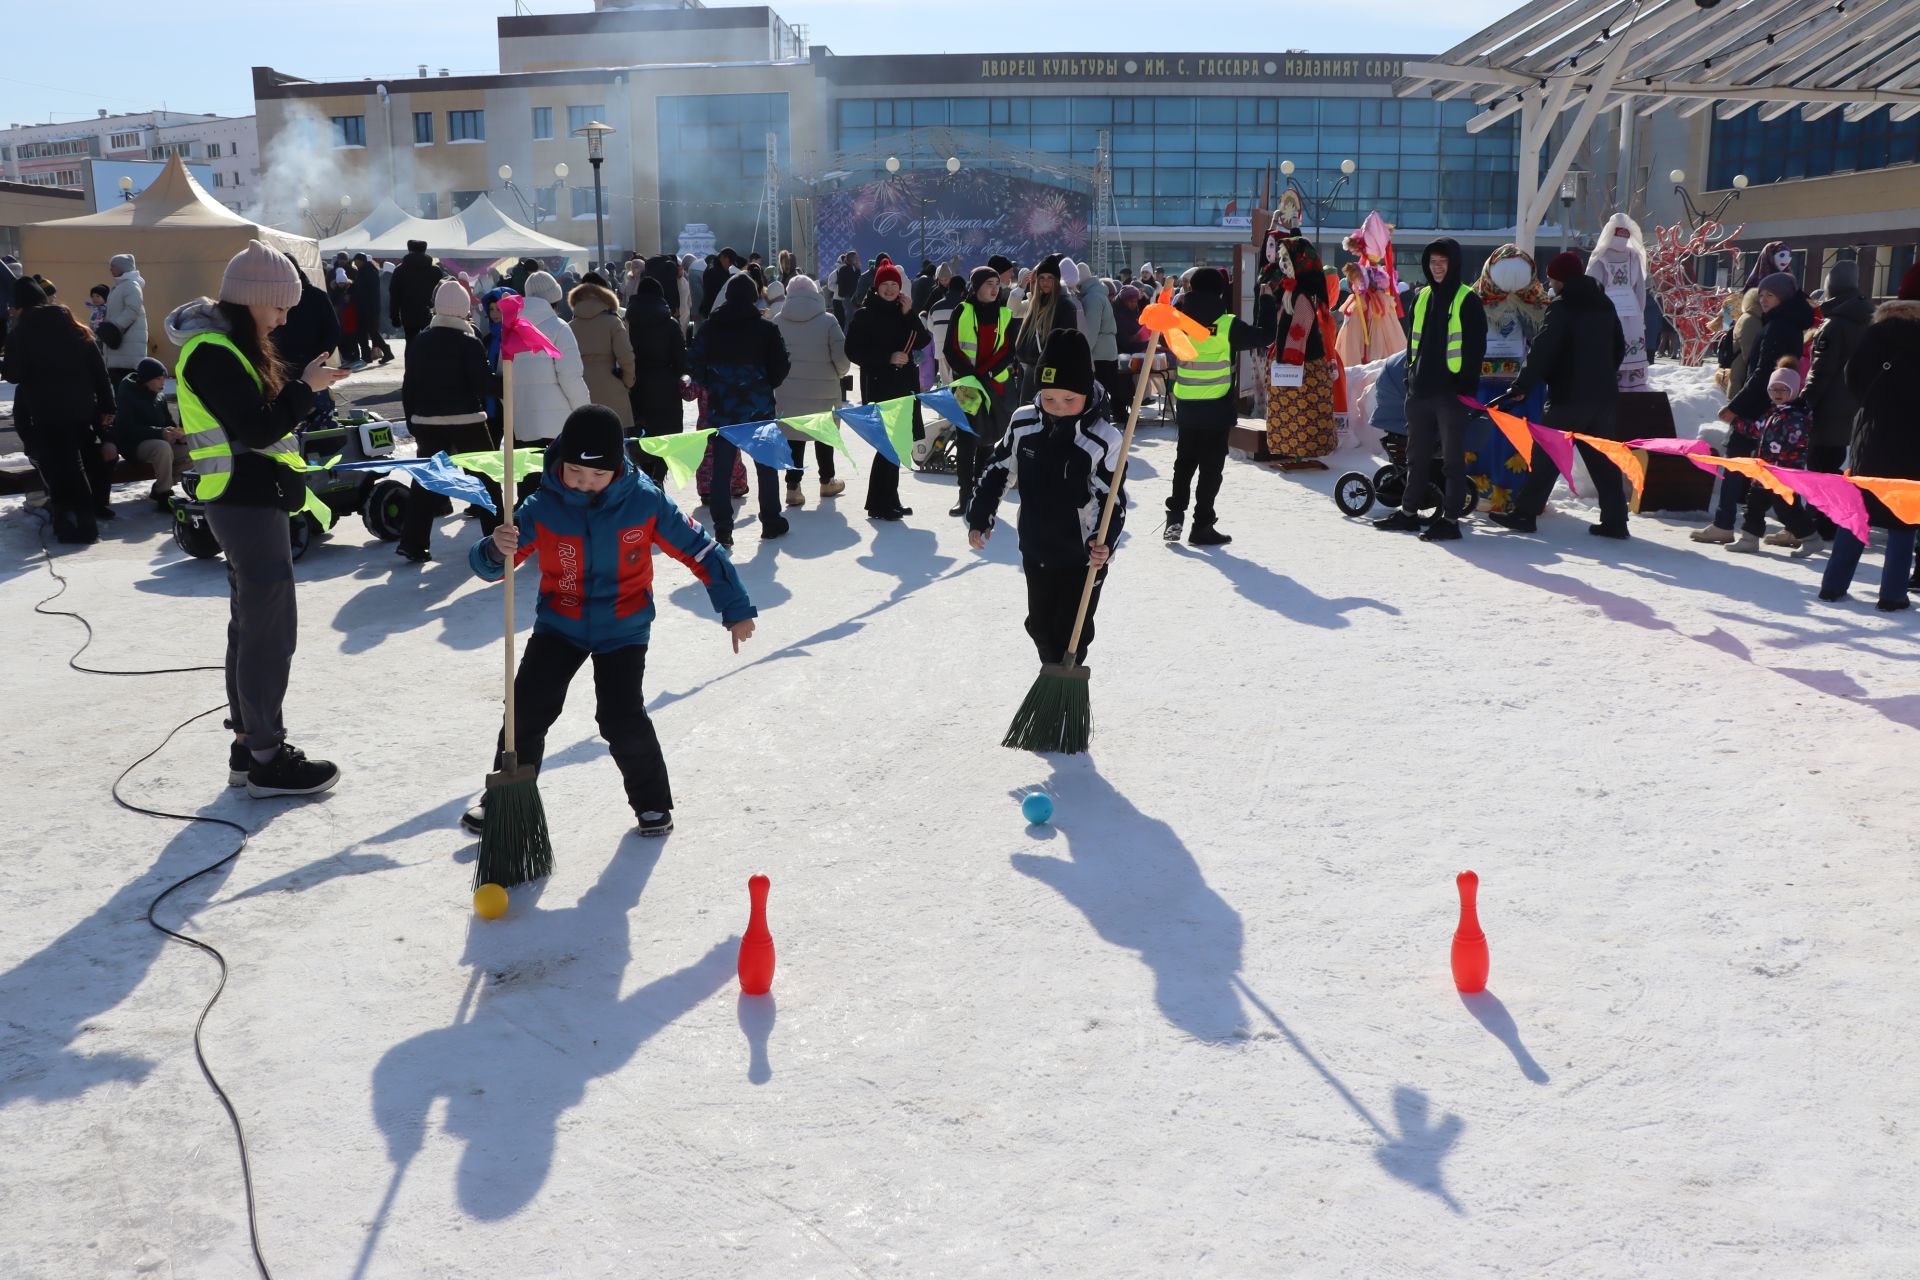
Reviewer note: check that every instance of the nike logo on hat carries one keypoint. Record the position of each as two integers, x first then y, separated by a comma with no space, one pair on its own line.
591,457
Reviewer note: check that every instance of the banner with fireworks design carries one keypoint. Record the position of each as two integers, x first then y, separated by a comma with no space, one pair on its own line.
972,214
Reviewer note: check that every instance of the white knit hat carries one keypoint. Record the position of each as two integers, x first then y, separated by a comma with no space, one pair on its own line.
260,275
541,284
451,299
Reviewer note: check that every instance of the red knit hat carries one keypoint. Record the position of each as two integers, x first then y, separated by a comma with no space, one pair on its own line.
887,271
1565,266
1910,284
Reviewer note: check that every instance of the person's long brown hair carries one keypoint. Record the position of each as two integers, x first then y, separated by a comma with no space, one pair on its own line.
256,346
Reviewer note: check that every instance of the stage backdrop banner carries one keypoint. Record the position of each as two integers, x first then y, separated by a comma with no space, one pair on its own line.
974,214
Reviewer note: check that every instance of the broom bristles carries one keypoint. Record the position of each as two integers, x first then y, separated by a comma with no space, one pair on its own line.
1057,716
514,845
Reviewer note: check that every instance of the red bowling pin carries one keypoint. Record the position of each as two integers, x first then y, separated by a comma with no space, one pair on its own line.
1469,944
756,948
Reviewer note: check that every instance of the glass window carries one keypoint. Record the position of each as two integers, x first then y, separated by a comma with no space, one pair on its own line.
466,126
422,128
1093,110
1022,110
1173,182
1049,110
929,111
427,203
1213,111
1298,111
583,206
349,131
579,118
712,157
461,199
1209,138
1123,111
1002,113
542,123
1419,111
858,111
1053,138
968,112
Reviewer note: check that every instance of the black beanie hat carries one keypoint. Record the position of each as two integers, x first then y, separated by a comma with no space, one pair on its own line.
979,277
1049,266
1209,280
28,293
592,437
1000,263
1067,363
148,369
741,288
649,288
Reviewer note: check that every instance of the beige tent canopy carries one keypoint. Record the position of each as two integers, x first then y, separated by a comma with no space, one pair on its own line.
180,237
479,231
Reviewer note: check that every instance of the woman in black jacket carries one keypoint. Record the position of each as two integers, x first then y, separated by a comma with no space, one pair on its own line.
444,398
882,339
1884,377
740,358
239,411
64,403
659,368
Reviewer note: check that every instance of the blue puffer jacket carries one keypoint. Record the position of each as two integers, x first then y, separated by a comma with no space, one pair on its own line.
596,559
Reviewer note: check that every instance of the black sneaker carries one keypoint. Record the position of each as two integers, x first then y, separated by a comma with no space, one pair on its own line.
890,513
1442,531
958,509
239,761
104,512
475,818
654,823
1174,525
413,557
290,773
1205,535
1618,531
725,539
1515,521
773,526
1400,522
1892,606
1833,597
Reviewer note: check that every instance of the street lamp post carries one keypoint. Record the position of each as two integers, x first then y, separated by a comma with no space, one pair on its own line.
325,230
893,170
126,189
1569,192
1317,203
1698,219
532,214
596,135
559,183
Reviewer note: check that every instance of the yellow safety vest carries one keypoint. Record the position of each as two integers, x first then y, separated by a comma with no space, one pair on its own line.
1456,337
212,449
969,324
1209,375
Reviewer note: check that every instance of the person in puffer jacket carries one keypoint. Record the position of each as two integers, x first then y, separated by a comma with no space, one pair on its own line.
741,359
1785,436
595,525
1064,451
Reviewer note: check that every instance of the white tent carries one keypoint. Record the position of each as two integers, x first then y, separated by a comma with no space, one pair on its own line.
478,231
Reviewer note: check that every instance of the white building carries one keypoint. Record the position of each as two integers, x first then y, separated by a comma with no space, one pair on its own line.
56,155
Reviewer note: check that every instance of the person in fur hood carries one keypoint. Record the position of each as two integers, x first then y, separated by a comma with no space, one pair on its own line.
606,352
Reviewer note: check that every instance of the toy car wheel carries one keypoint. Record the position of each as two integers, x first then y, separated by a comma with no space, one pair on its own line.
302,530
1353,494
1472,503
1390,485
386,504
194,537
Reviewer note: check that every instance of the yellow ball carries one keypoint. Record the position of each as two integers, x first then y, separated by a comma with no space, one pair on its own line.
490,901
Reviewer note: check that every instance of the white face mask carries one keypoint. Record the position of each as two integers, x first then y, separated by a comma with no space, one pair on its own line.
1783,259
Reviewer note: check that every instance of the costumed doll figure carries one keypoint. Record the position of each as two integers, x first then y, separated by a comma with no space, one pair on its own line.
1307,380
1619,264
1516,305
1372,329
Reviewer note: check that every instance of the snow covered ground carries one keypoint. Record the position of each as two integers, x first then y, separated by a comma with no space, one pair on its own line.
1202,1025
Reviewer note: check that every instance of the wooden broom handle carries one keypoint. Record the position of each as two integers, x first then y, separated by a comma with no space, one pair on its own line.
1113,494
507,499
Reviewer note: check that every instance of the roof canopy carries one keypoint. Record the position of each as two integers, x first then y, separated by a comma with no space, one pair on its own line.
1553,56
478,231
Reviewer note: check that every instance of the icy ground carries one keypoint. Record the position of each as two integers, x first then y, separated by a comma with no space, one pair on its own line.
1203,1025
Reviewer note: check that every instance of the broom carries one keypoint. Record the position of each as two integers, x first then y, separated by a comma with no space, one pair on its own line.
1058,712
514,845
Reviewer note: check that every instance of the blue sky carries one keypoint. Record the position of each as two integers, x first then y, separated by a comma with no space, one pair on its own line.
131,55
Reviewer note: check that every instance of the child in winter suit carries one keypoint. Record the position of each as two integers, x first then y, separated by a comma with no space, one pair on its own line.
594,525
1063,450
1783,442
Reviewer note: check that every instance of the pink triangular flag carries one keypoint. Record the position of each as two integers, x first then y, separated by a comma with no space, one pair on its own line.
519,337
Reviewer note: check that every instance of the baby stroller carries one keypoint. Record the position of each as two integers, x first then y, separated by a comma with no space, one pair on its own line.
1355,492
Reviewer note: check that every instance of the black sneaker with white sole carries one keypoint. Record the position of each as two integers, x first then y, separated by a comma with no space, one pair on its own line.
654,823
290,773
239,761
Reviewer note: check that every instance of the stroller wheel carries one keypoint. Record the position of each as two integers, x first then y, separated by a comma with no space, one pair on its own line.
1390,484
1472,503
1353,494
384,508
192,537
301,529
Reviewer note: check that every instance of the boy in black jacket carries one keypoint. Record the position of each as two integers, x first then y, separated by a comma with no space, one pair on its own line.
1063,449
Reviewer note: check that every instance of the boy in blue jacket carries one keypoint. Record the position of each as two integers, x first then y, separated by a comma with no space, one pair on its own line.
594,524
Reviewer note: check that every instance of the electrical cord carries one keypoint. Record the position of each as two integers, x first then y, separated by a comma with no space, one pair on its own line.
199,1052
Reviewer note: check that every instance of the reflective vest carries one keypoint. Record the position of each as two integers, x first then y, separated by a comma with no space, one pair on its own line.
1209,375
212,449
969,324
1456,337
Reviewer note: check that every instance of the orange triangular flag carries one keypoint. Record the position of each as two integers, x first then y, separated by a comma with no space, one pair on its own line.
1622,457
1515,430
1902,497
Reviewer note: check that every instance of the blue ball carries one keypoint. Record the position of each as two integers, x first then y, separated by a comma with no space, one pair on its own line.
1037,807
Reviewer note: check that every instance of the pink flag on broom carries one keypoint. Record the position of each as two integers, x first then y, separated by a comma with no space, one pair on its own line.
518,337
1837,497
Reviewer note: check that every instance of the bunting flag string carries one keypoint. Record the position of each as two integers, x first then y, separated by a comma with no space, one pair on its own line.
438,474
943,402
764,442
866,423
1835,496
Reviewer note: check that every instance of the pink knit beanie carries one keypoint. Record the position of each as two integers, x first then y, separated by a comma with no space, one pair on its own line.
260,275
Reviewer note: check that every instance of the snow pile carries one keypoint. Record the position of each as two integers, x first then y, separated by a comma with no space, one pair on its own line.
1200,1025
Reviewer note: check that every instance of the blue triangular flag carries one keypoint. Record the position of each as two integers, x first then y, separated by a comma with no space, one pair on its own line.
764,442
941,401
866,422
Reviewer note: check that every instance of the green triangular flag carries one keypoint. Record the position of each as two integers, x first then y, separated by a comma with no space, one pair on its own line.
898,417
823,427
526,462
681,452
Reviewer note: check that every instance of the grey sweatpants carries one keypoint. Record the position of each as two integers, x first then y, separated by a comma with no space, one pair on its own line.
1436,421
263,625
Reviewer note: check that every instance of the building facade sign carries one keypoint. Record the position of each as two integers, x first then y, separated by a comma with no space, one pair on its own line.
1124,68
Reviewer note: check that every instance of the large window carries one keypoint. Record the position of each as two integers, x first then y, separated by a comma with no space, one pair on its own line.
1794,147
713,165
1178,161
124,141
582,202
542,123
466,126
422,128
580,117
349,131
427,204
461,199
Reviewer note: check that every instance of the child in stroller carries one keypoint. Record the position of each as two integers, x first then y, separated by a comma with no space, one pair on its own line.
1355,492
